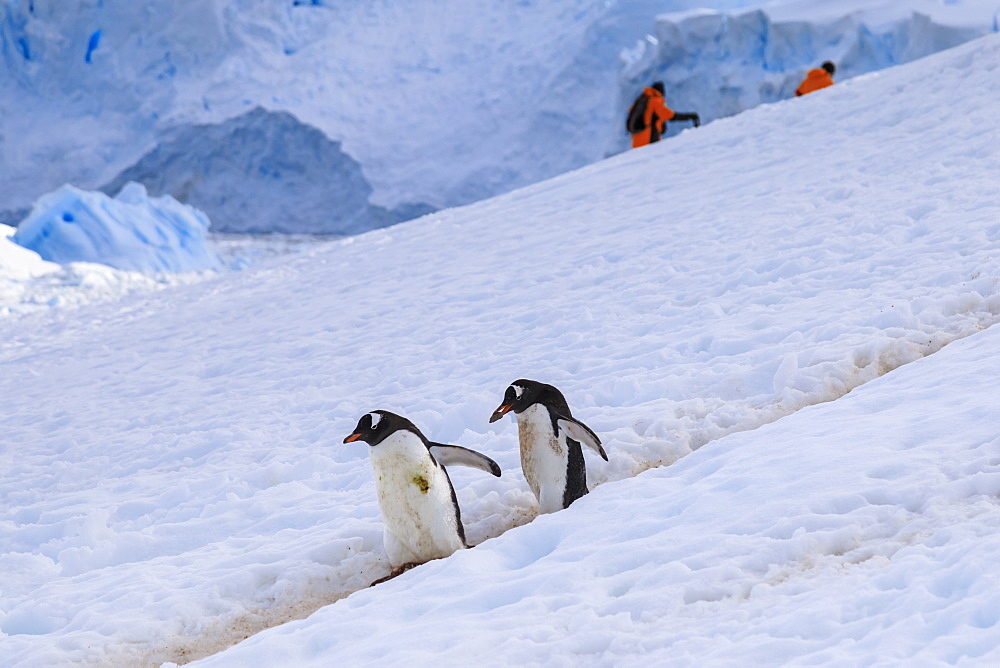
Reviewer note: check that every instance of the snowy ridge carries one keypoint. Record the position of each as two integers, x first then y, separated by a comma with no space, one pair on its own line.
178,477
721,64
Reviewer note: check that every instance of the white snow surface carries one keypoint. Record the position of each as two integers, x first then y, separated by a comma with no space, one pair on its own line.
18,262
780,325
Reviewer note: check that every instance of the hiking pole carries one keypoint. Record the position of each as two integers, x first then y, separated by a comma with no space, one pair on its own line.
687,116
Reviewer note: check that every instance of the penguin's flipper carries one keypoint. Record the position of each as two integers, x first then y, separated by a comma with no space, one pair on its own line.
581,432
448,455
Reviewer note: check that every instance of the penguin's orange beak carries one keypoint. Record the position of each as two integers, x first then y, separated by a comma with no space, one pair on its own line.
500,412
352,438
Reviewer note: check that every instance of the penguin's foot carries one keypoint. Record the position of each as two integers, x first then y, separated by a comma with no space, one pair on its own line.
398,570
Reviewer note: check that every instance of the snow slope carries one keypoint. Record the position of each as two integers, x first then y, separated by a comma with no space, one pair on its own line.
174,478
439,103
856,532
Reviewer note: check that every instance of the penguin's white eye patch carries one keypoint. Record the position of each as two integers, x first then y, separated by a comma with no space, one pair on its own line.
376,418
518,391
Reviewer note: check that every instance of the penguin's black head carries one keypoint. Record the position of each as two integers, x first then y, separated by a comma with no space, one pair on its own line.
521,395
375,427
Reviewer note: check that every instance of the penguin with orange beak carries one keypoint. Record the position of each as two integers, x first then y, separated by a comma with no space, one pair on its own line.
550,440
419,508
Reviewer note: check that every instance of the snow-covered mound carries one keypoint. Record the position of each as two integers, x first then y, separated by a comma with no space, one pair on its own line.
262,172
131,231
29,284
18,262
438,102
794,339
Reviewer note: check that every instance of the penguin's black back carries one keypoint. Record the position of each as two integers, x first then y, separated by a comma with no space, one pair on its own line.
454,503
576,473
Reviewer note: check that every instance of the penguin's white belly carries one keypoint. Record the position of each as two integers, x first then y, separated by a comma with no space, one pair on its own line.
544,457
414,496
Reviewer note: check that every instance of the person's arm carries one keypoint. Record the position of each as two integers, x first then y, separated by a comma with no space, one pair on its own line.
661,109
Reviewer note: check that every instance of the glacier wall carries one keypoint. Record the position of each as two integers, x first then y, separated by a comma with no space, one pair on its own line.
262,172
421,105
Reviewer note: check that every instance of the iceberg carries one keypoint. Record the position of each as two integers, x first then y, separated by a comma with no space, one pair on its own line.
132,232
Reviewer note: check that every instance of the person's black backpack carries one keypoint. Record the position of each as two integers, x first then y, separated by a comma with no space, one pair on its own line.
636,121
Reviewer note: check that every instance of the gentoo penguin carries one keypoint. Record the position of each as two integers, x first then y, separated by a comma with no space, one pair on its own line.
550,439
418,503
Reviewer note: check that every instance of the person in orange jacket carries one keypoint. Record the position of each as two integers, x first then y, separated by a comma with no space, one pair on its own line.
655,117
821,77
647,119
